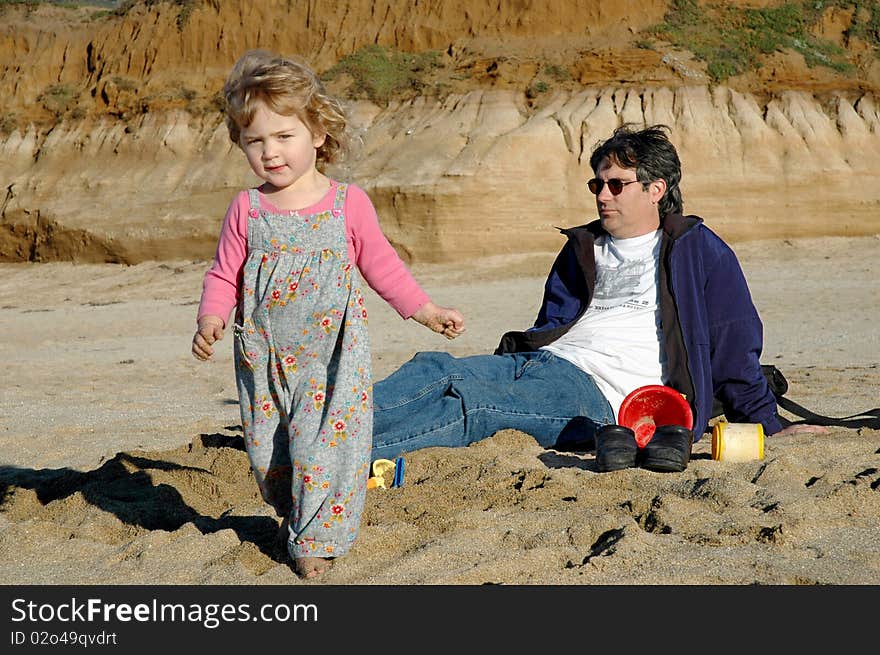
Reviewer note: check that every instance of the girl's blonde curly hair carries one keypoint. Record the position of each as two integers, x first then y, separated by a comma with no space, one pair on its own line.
287,87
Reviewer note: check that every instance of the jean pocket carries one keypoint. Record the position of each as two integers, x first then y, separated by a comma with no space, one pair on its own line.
531,362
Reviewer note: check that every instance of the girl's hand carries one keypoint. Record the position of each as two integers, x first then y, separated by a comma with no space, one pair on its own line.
209,331
444,320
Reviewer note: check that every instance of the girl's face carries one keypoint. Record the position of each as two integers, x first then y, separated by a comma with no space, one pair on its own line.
280,149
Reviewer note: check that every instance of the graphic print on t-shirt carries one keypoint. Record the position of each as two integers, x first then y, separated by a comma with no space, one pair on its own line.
625,285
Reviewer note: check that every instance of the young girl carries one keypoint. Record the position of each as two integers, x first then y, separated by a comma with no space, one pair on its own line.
289,259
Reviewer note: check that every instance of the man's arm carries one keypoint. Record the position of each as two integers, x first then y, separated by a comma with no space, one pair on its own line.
565,296
736,341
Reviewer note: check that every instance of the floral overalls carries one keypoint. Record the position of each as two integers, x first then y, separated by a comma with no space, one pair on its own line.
302,363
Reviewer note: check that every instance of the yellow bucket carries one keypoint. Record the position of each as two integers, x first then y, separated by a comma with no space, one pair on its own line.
737,442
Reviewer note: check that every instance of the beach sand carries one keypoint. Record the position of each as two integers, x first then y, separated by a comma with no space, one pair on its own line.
121,459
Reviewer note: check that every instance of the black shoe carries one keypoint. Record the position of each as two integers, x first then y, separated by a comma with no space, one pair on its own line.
616,448
669,450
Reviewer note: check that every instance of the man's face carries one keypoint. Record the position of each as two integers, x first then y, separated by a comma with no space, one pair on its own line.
634,211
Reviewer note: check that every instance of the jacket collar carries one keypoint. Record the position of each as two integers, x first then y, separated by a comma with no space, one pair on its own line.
673,226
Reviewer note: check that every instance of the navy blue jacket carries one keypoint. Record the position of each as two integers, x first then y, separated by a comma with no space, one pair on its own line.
712,333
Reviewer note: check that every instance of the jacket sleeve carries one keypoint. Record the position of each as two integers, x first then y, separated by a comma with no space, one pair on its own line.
564,291
736,341
565,296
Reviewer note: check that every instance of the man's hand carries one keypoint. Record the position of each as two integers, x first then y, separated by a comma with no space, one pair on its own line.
448,322
209,331
801,428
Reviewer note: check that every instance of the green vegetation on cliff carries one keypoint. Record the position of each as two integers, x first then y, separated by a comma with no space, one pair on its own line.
732,40
380,74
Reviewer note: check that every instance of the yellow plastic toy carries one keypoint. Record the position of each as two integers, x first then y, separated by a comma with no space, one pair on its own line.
378,469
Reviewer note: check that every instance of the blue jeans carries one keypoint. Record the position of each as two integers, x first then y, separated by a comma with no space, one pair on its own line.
436,399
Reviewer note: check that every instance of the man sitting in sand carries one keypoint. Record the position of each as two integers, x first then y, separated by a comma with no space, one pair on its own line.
642,296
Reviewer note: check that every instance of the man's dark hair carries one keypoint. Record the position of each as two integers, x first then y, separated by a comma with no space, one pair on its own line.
651,154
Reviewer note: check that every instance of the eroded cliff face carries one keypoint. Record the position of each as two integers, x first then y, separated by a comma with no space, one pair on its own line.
141,174
162,55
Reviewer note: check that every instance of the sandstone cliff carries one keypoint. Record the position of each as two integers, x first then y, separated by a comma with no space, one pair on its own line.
133,163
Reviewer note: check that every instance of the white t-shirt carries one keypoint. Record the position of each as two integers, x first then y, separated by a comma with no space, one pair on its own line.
617,340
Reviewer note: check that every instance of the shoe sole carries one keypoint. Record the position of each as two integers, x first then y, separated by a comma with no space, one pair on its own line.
615,461
664,463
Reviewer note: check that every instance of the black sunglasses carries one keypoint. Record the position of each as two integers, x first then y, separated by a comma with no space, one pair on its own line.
614,185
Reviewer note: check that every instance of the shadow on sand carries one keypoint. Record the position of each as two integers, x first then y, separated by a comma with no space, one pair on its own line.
125,487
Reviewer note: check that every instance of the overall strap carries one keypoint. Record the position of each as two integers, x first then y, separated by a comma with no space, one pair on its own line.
254,199
339,199
254,227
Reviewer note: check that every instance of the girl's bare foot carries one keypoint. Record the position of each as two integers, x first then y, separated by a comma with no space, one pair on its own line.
304,567
311,567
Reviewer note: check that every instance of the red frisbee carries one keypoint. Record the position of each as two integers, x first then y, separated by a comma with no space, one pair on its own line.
655,404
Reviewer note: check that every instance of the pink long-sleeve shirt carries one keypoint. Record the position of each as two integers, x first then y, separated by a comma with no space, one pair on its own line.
368,248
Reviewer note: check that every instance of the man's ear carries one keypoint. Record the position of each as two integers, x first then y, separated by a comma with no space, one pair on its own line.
657,189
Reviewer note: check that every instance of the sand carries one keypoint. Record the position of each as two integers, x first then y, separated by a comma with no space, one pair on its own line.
121,461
